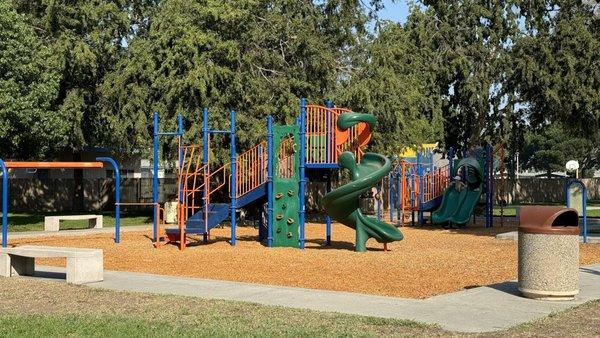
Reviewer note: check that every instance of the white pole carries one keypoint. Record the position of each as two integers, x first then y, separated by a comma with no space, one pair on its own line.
517,165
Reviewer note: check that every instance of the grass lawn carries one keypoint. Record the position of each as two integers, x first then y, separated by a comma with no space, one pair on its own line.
48,308
32,222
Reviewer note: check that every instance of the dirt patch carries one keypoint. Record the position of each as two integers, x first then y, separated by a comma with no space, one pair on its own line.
429,261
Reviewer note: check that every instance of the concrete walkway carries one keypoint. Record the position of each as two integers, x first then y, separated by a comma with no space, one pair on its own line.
480,309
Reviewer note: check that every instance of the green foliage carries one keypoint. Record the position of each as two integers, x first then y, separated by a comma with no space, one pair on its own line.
469,42
78,73
557,67
87,39
257,57
395,81
550,149
28,88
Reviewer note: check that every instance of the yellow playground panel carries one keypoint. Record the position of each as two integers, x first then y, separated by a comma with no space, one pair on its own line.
412,152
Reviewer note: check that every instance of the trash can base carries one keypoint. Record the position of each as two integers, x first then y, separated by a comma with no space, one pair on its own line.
549,295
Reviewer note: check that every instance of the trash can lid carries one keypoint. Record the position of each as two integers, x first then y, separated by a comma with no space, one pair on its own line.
549,220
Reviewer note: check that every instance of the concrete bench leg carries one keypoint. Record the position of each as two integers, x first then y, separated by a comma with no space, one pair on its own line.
16,265
95,223
51,224
85,270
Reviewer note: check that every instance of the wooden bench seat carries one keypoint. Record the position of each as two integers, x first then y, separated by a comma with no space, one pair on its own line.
52,223
83,265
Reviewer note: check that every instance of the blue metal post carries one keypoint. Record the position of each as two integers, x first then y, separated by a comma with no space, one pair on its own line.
329,132
391,194
327,217
181,155
378,196
233,180
329,156
489,201
205,141
412,195
450,162
155,177
431,168
399,194
270,181
115,166
205,132
180,131
585,227
584,230
4,204
421,172
302,168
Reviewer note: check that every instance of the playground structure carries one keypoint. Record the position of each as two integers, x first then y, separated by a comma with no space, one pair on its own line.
272,173
417,185
59,165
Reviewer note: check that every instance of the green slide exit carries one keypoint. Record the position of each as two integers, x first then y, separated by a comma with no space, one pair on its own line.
457,207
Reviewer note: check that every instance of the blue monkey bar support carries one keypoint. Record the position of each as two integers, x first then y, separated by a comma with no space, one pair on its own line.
584,230
115,166
232,189
302,169
4,204
270,181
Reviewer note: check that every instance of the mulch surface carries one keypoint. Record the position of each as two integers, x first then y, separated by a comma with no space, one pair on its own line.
429,261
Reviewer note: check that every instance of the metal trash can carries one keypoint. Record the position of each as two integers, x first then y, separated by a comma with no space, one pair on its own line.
549,253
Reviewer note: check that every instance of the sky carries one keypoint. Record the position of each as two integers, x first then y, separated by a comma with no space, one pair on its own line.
397,11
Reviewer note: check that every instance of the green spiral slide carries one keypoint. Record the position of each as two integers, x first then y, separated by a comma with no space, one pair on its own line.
342,204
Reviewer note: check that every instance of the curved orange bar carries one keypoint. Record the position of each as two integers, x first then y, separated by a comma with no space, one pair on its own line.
54,165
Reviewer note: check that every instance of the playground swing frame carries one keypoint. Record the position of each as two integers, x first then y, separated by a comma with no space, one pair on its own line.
5,165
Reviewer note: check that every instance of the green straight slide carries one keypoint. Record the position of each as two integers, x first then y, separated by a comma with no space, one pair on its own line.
457,207
342,204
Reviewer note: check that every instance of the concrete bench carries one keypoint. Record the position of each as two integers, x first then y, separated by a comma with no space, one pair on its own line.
51,223
83,265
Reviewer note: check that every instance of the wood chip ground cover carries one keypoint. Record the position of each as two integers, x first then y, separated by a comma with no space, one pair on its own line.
429,261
